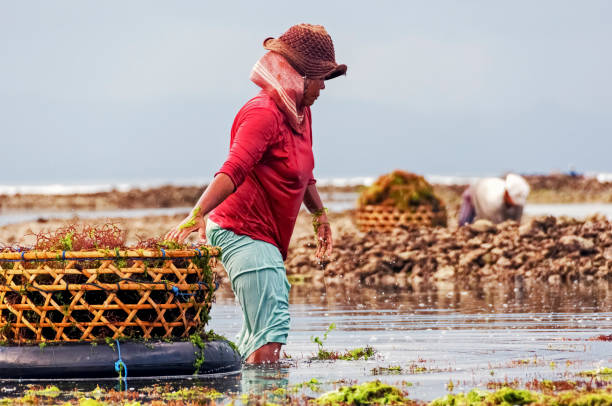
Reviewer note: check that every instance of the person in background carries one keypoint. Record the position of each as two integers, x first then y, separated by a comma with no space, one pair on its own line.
494,199
255,197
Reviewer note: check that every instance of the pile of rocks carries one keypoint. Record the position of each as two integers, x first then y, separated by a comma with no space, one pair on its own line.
544,249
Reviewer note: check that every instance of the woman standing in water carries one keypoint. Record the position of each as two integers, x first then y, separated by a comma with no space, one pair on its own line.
255,197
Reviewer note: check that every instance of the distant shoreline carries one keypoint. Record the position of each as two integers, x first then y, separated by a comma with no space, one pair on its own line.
545,189
83,188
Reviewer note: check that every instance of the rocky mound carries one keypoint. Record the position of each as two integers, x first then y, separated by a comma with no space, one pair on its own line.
545,249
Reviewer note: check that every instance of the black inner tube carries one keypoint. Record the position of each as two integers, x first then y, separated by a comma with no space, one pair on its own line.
84,360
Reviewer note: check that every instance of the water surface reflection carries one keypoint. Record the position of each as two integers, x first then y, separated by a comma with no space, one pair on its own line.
439,334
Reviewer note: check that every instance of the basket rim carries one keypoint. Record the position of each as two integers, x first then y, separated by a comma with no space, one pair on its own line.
372,207
58,255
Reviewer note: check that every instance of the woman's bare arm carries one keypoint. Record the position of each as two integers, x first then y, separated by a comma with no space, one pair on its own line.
312,200
218,190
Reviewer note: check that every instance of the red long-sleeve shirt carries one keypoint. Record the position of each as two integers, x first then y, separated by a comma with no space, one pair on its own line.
271,167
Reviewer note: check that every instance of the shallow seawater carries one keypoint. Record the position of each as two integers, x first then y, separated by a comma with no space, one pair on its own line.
472,338
442,338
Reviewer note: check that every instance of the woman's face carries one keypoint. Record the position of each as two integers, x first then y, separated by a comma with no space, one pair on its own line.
312,87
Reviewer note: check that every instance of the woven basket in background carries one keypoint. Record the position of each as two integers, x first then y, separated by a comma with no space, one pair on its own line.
387,218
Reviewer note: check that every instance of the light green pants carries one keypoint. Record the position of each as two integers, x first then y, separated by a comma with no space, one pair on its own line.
259,281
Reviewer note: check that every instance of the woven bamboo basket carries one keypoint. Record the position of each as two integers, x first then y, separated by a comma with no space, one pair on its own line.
89,296
387,218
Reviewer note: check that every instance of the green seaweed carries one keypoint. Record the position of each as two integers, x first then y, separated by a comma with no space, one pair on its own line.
170,245
313,384
321,353
402,190
358,353
91,402
368,393
572,398
197,340
66,241
318,341
110,342
374,392
212,336
298,280
120,262
97,393
390,370
350,355
194,393
48,392
603,373
192,220
474,397
315,219
508,397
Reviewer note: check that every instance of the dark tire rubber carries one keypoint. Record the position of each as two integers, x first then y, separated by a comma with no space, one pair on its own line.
83,360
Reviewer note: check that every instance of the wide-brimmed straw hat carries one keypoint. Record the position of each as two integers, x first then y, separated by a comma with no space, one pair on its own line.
310,51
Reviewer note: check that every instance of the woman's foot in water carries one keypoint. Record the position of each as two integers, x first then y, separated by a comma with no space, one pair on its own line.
266,354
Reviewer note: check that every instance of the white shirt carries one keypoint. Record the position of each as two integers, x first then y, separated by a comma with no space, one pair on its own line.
488,199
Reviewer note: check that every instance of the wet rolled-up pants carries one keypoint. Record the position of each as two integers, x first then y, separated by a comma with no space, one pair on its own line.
259,281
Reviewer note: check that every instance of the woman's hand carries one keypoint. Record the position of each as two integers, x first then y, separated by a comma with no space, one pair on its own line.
325,243
220,188
323,233
195,221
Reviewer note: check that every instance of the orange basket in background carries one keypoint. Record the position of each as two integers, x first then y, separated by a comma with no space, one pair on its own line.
386,218
399,199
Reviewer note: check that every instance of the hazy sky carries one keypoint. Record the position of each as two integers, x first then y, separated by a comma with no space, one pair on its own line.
94,91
